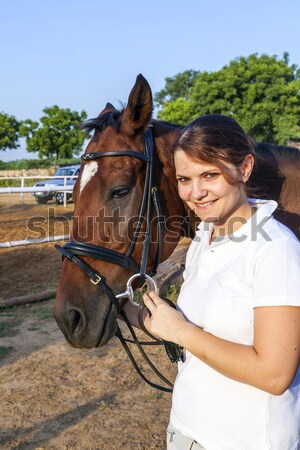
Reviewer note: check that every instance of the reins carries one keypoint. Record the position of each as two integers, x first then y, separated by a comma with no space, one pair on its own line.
72,250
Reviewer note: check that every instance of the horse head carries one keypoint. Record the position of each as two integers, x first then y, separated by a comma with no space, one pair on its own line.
112,213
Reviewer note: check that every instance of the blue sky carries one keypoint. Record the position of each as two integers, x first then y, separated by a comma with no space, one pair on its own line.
79,54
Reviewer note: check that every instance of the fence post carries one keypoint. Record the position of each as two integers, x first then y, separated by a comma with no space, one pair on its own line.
65,194
22,194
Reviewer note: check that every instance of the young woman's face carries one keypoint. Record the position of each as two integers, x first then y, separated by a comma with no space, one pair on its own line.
205,190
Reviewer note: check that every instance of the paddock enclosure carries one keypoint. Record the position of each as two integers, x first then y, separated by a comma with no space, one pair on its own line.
52,396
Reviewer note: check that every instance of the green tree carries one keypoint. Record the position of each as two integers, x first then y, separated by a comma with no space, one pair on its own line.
9,131
58,133
261,92
176,87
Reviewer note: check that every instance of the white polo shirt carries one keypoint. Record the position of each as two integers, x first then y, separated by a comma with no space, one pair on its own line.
258,265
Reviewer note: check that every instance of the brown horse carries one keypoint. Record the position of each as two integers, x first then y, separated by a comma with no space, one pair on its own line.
113,213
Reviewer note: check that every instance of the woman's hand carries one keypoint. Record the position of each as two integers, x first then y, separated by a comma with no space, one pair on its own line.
164,322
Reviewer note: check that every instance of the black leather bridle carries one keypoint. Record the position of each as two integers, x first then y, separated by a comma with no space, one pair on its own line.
72,250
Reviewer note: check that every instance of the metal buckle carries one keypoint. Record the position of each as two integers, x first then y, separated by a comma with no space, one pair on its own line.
95,279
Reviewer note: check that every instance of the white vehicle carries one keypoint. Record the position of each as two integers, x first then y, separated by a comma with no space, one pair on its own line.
71,172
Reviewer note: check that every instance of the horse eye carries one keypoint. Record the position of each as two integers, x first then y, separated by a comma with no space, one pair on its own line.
120,192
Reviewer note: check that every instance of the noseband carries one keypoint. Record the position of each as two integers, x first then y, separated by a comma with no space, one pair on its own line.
72,250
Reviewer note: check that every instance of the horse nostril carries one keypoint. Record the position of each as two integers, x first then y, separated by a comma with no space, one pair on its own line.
76,320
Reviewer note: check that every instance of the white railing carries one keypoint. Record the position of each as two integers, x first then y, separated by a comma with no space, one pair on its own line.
22,189
47,239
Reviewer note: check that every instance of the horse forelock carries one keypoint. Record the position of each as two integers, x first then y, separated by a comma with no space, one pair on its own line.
111,118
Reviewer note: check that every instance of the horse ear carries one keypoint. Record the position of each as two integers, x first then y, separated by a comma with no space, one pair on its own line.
108,108
138,112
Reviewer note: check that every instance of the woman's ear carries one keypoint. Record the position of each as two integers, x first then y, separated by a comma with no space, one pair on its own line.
247,167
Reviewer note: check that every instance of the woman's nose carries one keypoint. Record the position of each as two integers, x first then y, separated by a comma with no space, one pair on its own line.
198,190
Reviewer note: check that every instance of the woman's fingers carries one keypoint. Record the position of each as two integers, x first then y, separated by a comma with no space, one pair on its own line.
149,303
154,297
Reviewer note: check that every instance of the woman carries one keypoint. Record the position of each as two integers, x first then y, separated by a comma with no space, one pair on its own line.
238,312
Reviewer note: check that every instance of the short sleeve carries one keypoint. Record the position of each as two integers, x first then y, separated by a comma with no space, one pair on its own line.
277,274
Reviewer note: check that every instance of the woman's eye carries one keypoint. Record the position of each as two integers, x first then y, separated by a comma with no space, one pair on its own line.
183,180
211,175
120,192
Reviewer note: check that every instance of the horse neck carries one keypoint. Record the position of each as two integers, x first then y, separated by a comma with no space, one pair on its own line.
165,135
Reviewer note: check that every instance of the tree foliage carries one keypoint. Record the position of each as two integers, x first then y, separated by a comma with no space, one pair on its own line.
261,92
176,87
58,133
9,131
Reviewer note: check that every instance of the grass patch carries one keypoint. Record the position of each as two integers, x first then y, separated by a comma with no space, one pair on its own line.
9,328
45,163
173,292
156,396
33,328
43,332
139,292
41,312
4,351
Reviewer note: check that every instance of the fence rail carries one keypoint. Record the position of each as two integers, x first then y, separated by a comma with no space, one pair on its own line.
51,188
20,243
24,190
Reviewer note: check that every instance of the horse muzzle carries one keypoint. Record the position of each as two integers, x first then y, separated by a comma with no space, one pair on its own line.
90,327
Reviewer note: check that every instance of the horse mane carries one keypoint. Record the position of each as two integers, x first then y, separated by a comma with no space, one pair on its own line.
171,124
111,118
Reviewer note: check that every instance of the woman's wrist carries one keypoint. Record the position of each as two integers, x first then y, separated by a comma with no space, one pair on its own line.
184,333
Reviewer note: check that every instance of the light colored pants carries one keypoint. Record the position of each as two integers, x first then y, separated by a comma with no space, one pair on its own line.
177,441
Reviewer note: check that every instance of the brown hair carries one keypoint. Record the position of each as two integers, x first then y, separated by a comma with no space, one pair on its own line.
216,139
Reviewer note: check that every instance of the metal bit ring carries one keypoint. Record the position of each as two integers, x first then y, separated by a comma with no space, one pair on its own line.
129,293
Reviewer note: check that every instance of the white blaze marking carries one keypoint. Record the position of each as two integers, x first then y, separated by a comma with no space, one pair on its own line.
88,172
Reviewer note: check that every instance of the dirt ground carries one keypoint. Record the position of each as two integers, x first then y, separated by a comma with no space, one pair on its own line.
54,397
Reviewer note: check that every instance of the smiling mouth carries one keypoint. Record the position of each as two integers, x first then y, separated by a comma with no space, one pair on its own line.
204,205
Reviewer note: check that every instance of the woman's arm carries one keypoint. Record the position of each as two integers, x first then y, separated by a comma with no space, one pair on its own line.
270,364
